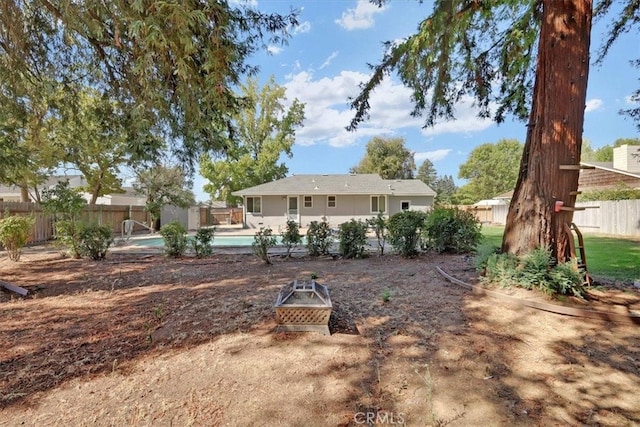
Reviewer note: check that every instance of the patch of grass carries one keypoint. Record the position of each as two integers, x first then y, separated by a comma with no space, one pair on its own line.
614,258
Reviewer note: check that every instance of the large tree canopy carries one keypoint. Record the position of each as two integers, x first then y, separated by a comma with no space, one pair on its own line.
388,157
491,169
527,58
265,131
174,62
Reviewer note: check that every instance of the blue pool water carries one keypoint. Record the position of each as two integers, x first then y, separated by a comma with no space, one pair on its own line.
217,241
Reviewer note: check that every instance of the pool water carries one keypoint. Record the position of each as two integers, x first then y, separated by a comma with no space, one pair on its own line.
217,241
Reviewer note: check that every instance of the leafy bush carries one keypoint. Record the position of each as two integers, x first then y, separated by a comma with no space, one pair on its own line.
262,242
202,242
318,238
175,239
404,231
483,252
291,237
534,270
353,238
379,226
14,234
451,230
66,205
95,241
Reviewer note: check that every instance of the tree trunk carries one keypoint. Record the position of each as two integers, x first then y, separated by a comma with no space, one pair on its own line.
24,193
554,135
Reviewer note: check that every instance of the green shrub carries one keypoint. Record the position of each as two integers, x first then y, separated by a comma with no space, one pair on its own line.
95,241
451,230
379,226
262,242
175,239
318,238
534,270
66,205
353,238
14,234
291,237
404,231
202,242
483,252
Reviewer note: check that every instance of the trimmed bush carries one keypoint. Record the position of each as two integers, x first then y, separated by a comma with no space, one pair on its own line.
202,242
451,230
404,231
379,226
262,242
291,237
66,205
175,239
95,241
14,234
318,238
353,238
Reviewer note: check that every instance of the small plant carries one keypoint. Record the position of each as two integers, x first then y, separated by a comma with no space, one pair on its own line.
353,238
262,242
95,241
386,295
318,238
404,231
175,239
379,226
14,234
483,252
291,237
202,242
313,276
450,230
66,205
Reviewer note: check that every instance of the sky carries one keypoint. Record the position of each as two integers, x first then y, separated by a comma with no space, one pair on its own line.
326,59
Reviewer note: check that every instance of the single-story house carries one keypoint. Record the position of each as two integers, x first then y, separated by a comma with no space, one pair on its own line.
339,198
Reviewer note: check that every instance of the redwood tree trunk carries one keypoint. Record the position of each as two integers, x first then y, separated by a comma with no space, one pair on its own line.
554,135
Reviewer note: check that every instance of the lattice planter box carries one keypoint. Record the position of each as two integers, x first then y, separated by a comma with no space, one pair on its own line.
303,307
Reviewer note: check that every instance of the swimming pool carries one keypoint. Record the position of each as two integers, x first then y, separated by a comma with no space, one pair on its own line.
220,241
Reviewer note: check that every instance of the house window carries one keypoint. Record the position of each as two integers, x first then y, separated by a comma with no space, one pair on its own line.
378,204
254,205
308,201
331,201
405,205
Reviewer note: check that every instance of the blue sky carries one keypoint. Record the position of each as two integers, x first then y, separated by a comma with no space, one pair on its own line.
327,58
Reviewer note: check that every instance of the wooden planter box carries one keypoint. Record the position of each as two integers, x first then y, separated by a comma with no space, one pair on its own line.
303,307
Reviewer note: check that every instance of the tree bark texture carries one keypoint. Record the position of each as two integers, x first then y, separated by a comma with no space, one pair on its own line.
554,135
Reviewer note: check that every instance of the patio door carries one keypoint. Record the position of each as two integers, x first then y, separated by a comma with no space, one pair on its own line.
292,208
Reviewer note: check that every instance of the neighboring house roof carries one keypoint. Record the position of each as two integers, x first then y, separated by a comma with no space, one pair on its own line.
339,185
608,166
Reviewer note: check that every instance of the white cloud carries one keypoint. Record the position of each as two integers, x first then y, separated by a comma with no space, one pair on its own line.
327,61
250,3
359,18
302,28
592,105
434,156
632,99
274,50
327,111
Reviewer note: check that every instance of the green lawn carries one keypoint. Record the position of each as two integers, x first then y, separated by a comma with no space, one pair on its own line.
607,257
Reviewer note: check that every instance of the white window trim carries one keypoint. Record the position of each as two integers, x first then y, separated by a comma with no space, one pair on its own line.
335,201
407,202
304,202
371,203
254,204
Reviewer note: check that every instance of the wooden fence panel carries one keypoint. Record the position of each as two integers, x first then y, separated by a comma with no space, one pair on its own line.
43,225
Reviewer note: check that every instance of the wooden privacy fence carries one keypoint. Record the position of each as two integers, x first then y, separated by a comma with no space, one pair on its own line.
110,215
482,213
616,217
220,216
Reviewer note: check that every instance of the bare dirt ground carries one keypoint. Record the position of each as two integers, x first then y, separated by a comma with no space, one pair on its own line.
146,341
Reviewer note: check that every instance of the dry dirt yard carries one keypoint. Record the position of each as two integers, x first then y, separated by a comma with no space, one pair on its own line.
145,341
